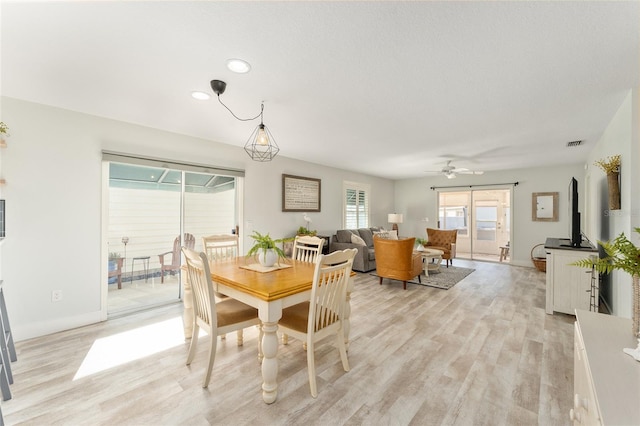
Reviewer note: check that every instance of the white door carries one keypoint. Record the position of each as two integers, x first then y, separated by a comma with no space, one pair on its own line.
483,228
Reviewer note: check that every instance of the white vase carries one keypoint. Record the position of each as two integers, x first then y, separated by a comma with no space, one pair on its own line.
268,257
420,247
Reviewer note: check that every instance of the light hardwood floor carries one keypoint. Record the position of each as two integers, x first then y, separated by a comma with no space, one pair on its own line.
481,353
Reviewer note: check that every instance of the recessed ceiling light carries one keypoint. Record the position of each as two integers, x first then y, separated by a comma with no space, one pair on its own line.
238,65
201,96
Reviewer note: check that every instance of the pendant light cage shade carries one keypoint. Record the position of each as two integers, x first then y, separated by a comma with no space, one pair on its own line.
261,145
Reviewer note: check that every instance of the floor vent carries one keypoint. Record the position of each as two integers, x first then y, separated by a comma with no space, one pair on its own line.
574,143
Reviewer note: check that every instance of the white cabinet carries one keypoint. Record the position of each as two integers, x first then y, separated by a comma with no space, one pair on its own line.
568,286
606,381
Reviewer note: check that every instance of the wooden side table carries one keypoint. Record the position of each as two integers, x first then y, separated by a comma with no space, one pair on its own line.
145,266
327,240
504,252
432,259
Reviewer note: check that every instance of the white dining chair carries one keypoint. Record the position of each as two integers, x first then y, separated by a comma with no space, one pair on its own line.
219,248
215,318
307,248
322,316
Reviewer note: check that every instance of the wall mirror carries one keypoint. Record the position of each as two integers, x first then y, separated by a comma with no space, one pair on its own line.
544,206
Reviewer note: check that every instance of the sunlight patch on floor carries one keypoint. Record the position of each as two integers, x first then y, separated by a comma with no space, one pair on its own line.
121,348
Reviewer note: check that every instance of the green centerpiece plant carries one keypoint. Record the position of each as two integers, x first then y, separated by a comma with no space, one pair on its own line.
266,248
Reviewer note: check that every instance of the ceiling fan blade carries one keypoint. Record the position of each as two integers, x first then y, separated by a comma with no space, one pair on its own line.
468,172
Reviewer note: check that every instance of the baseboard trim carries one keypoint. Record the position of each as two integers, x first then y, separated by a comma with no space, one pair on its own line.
42,328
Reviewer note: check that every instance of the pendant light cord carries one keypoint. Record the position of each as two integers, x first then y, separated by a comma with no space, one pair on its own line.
243,119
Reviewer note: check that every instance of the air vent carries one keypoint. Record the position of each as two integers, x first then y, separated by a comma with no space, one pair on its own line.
574,143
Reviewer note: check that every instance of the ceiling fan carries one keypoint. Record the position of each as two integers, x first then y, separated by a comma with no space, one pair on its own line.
451,171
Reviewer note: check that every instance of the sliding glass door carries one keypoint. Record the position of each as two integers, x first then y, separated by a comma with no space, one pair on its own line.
482,218
152,213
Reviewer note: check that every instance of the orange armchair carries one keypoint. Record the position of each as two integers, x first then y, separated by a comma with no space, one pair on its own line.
396,260
444,240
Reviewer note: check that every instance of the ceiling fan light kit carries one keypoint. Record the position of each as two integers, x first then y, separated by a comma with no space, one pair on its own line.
261,145
451,171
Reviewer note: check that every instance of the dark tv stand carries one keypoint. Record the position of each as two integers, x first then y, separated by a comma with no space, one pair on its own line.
565,243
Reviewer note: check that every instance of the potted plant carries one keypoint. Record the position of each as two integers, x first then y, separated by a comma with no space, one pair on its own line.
266,249
114,260
421,243
4,132
623,255
306,231
611,166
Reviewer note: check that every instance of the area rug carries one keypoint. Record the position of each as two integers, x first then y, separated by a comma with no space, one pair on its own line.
444,280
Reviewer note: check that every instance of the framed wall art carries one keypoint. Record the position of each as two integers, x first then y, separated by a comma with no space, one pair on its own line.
544,206
300,194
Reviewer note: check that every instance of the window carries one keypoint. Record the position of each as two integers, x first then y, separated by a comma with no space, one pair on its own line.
486,222
356,205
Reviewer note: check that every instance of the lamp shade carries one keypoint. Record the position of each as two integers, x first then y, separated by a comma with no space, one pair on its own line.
394,218
261,145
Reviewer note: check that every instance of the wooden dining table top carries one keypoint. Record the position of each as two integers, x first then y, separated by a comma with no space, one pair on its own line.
266,286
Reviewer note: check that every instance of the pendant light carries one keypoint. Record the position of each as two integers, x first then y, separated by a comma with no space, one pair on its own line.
261,145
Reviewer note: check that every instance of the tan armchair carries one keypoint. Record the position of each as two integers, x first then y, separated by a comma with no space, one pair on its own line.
445,240
396,260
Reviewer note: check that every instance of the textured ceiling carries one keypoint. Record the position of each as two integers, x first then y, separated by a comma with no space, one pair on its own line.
385,88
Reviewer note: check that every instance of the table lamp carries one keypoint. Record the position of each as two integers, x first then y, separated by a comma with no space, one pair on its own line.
394,219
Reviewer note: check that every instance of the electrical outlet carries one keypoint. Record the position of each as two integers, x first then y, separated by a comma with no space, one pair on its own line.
56,295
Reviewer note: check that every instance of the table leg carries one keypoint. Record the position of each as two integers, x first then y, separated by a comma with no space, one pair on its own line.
439,262
187,315
269,362
346,323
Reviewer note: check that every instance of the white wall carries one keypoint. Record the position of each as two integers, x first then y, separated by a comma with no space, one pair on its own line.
53,168
151,220
416,200
620,137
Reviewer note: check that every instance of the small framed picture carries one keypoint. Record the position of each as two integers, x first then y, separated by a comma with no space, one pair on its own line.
544,206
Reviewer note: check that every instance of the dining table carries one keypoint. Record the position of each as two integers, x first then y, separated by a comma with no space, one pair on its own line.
270,290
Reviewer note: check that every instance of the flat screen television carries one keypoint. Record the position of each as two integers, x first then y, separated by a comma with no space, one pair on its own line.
575,237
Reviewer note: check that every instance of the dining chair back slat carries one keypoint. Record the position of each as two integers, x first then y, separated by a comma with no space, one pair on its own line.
307,248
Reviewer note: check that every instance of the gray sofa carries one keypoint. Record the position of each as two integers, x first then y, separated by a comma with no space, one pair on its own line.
365,259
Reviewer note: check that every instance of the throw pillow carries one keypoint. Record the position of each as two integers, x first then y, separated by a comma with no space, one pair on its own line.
381,234
393,235
357,240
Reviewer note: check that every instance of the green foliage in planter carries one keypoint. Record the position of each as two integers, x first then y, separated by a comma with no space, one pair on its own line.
265,242
4,129
305,231
421,241
622,255
114,255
